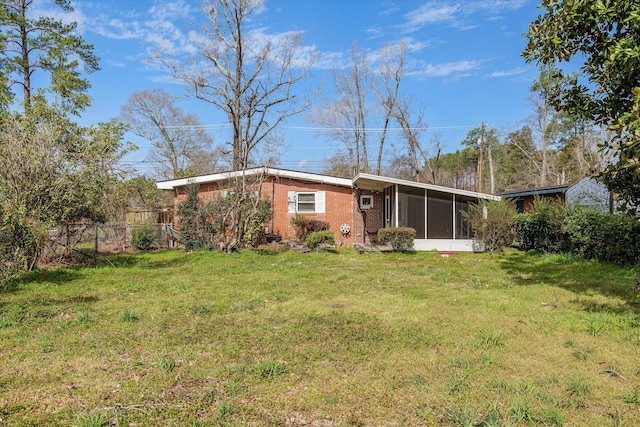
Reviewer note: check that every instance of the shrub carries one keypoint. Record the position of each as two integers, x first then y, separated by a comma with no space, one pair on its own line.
399,238
143,237
195,222
21,243
543,228
492,223
318,237
305,226
596,235
583,232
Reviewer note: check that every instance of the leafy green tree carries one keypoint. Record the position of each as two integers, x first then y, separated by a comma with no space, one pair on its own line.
52,172
486,141
33,43
520,160
605,37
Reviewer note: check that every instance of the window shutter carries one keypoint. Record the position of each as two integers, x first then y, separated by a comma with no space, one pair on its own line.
320,197
291,198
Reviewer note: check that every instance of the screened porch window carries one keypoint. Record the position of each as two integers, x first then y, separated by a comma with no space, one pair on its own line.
440,215
463,226
411,210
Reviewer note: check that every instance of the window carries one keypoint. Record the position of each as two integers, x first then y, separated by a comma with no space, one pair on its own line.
366,202
440,215
411,209
306,202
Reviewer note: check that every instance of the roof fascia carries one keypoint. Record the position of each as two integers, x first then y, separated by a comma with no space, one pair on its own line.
323,179
392,181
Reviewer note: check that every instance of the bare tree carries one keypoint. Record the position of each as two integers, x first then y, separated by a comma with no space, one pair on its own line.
180,145
419,159
345,119
254,82
367,96
393,57
251,80
339,165
546,120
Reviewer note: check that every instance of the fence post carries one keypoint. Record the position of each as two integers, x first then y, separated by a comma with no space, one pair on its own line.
95,238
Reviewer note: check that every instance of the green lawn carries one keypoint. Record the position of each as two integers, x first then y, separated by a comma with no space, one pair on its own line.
322,339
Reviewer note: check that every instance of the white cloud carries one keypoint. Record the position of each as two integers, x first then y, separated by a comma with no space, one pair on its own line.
506,73
158,27
416,45
302,164
455,13
332,61
430,13
460,68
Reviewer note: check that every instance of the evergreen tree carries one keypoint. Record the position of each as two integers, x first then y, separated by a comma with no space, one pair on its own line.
42,44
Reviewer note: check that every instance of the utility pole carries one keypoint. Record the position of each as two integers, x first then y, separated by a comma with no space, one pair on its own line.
480,159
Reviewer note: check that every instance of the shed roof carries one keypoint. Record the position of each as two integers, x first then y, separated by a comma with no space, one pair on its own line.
542,191
378,183
284,173
364,181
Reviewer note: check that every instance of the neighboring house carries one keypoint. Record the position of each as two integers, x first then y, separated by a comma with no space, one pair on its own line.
586,192
354,208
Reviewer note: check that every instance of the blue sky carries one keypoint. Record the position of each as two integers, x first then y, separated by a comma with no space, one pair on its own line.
464,65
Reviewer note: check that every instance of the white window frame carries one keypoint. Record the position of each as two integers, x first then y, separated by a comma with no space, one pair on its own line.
305,202
367,205
318,202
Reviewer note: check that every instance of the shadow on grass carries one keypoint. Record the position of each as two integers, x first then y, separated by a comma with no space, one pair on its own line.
57,277
576,275
140,260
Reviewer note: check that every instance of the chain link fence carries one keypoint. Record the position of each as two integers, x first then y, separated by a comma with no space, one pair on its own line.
110,237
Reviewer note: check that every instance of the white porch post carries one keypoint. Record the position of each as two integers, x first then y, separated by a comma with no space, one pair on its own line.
395,208
426,213
455,212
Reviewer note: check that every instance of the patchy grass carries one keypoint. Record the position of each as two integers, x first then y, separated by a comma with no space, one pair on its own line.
169,338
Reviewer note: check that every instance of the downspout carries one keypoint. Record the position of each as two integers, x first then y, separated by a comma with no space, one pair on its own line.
364,216
273,203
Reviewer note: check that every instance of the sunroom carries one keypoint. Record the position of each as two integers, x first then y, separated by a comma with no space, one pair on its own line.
435,212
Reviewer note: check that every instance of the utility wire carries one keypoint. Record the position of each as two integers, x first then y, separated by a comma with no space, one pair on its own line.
320,129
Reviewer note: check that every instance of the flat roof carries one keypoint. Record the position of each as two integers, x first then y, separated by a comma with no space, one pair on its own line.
543,191
284,173
364,181
379,183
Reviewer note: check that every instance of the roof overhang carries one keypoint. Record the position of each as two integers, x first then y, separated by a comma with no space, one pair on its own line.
379,183
281,173
363,181
546,191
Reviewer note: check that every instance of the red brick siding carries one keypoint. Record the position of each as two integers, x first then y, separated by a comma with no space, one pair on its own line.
340,206
528,200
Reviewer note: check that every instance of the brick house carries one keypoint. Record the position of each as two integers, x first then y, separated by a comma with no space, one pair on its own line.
354,208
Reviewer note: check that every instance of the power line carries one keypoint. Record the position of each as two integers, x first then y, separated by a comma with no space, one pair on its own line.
321,129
